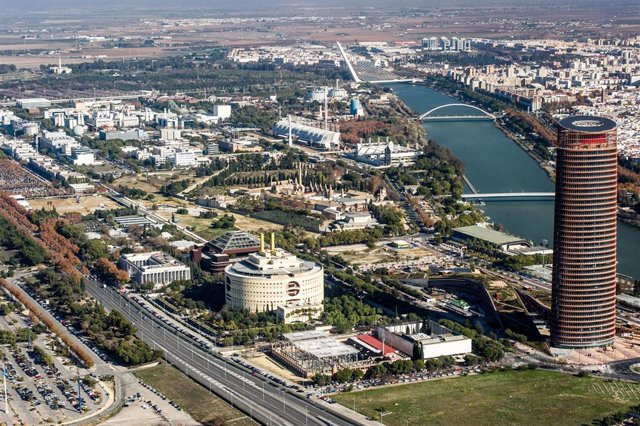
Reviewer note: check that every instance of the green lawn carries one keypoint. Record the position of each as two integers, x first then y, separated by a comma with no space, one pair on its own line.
502,398
193,398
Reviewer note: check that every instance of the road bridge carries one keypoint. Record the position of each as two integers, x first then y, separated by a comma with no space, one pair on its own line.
484,116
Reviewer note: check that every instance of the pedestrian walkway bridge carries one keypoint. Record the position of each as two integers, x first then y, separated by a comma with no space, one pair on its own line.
507,195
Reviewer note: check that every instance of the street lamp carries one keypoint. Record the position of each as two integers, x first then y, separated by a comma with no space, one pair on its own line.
544,244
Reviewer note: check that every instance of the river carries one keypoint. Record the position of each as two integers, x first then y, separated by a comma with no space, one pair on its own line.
495,163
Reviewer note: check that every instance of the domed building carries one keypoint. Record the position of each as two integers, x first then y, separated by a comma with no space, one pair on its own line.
276,280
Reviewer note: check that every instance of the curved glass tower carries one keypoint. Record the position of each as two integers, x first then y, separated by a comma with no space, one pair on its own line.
584,245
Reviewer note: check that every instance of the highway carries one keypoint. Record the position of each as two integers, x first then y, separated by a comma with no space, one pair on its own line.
265,401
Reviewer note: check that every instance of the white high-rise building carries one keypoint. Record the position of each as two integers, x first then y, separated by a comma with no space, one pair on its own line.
446,45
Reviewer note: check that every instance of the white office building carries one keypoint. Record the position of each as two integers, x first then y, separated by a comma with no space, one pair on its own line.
58,142
222,112
184,158
83,156
154,267
440,341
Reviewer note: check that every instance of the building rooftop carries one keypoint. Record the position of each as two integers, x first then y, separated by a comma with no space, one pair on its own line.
587,124
267,263
325,347
127,221
426,339
182,244
305,335
490,235
234,241
152,260
375,344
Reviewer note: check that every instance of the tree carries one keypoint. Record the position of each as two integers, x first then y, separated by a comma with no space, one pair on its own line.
471,360
107,270
377,370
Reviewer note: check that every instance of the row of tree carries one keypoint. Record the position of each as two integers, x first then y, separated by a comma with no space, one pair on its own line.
83,355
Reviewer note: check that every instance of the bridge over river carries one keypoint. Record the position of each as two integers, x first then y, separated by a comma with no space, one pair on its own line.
508,195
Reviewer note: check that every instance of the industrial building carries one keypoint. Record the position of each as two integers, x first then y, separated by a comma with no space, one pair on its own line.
385,154
154,267
318,94
584,237
273,279
222,112
312,136
373,345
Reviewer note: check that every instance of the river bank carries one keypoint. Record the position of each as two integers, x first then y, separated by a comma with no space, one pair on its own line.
494,164
527,148
544,164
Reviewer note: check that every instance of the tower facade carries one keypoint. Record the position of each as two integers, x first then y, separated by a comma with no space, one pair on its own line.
584,245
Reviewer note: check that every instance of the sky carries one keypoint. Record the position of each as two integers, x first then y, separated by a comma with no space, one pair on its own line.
190,8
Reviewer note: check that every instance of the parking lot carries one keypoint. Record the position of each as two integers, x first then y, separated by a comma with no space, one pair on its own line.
42,384
144,405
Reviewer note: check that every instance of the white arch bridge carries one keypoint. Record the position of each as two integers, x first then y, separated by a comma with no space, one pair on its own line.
484,116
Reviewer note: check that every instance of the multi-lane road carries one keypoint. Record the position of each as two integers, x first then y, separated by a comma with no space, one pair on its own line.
265,401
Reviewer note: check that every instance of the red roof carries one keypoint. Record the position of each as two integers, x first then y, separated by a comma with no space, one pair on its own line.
375,343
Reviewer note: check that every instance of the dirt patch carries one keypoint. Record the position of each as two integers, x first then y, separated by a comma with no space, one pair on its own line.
83,205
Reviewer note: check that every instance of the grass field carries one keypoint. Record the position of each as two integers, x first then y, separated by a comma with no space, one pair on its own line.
503,398
192,397
87,204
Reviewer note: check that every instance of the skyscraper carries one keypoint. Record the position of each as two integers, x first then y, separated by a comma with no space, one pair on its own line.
584,266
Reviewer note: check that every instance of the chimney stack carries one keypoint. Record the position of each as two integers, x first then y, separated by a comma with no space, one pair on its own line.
273,243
